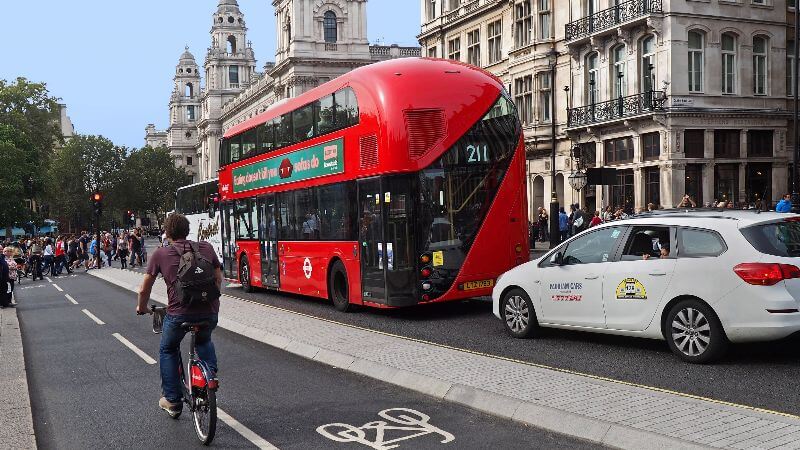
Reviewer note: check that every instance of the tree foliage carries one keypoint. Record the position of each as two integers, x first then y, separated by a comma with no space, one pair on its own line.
153,173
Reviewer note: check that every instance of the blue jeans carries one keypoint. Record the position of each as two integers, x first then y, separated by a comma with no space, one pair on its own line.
170,351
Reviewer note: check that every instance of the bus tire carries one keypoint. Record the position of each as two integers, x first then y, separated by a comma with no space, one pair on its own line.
338,288
244,275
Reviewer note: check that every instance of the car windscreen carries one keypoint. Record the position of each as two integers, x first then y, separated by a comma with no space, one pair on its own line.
776,238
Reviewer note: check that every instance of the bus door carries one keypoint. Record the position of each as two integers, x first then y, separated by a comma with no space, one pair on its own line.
268,237
229,266
400,256
370,237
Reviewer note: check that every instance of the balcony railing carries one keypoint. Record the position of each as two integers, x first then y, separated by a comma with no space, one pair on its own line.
611,17
620,108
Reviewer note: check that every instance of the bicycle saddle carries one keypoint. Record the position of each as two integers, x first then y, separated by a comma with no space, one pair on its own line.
188,326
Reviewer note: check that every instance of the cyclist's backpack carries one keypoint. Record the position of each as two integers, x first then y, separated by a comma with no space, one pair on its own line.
196,282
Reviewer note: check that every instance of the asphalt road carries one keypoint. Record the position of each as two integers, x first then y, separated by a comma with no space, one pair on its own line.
90,391
763,375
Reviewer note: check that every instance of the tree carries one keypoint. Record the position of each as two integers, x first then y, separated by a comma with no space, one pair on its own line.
150,180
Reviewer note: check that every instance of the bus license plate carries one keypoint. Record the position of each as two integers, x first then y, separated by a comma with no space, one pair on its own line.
480,284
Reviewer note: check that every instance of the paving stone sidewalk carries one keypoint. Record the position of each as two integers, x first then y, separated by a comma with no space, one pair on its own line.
16,420
597,410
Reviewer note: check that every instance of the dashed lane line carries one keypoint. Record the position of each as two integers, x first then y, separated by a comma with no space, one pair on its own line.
93,317
58,287
48,279
72,300
247,433
134,348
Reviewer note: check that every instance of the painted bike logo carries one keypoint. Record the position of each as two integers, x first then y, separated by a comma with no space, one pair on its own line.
410,421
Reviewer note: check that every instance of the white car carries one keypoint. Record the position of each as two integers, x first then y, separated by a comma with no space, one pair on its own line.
698,279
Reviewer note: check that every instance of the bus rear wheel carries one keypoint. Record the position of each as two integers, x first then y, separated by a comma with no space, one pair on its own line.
338,288
244,276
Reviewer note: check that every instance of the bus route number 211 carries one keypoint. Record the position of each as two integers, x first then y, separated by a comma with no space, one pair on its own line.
477,153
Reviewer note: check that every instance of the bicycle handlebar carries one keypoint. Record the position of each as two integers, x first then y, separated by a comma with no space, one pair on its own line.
153,308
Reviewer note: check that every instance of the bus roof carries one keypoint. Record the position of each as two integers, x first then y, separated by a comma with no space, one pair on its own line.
213,180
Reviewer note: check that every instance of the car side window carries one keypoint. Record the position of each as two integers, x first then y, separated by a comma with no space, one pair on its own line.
646,242
695,243
595,247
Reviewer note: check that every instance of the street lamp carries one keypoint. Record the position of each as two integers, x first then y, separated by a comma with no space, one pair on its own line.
555,235
796,62
577,180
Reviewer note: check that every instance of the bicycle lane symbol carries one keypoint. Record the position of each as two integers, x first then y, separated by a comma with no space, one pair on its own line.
406,420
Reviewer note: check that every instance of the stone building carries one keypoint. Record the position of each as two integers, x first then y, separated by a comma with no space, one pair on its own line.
317,41
154,138
184,112
680,96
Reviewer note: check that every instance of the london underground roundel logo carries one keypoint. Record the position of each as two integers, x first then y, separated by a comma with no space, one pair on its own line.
307,268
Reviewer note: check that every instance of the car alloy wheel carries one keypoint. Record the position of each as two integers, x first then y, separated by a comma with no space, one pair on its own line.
694,333
519,317
691,332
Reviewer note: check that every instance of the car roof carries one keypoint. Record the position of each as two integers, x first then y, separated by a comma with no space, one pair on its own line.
743,217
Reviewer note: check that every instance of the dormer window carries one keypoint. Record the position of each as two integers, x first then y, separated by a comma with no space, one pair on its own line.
329,27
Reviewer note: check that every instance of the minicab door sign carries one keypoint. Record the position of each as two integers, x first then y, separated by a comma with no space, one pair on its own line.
631,289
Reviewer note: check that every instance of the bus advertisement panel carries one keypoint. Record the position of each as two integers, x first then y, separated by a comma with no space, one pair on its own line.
198,202
399,183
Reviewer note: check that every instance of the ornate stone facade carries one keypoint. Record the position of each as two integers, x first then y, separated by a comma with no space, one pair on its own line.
677,100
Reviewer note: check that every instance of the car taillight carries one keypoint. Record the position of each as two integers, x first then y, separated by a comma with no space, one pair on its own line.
766,274
425,272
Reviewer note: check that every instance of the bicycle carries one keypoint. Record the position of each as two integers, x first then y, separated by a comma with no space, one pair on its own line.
200,387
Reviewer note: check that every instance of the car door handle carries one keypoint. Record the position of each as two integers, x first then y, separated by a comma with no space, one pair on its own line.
537,281
658,274
592,277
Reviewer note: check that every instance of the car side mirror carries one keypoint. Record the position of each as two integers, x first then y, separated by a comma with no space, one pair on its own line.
557,259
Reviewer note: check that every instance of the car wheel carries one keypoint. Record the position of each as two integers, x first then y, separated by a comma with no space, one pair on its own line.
694,333
244,276
338,288
519,317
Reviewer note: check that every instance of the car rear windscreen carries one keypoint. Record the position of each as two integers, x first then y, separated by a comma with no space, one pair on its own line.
777,238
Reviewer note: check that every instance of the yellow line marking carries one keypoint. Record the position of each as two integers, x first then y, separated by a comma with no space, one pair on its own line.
531,364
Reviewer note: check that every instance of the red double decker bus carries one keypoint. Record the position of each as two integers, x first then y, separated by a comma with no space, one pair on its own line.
399,183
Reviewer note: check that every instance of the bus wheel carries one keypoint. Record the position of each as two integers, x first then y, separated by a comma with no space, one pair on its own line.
244,276
338,289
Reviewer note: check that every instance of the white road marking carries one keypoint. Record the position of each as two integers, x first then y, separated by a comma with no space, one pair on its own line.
134,348
48,279
93,317
410,421
233,285
58,287
72,300
247,433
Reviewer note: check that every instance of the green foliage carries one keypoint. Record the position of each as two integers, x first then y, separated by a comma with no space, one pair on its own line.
152,173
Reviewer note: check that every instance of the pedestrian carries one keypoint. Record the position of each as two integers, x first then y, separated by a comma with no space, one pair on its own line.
49,256
578,219
8,253
122,249
107,248
607,216
563,224
5,286
35,260
60,256
785,205
596,220
199,304
135,245
544,233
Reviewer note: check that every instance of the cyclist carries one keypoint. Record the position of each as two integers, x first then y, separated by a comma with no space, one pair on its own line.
165,261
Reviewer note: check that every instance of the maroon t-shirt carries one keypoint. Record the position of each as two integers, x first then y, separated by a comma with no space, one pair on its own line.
165,261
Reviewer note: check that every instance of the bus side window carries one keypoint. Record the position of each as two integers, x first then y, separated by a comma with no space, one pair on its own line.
235,148
248,143
285,202
346,108
303,121
323,112
266,137
283,131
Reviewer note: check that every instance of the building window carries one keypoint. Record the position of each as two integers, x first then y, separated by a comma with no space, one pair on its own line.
474,47
758,184
651,144
494,31
618,72
648,67
622,191
652,185
726,183
760,46
759,143
694,143
453,5
696,60
454,49
728,44
726,143
523,24
592,78
432,52
619,151
790,75
189,90
693,186
231,45
544,19
329,27
233,76
190,113
523,91
188,160
431,9
545,101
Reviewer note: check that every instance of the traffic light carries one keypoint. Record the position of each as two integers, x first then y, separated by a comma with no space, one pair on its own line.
97,203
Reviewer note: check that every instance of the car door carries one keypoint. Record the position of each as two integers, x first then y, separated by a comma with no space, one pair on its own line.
634,286
570,293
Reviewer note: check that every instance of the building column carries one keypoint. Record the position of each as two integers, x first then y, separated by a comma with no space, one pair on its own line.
743,144
741,196
638,188
708,183
780,182
708,145
672,179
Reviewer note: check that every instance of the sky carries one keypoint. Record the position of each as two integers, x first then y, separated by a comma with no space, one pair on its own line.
111,62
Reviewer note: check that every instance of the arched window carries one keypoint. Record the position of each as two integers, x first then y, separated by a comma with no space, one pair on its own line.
592,78
618,72
728,45
189,90
760,46
231,45
648,65
696,60
329,26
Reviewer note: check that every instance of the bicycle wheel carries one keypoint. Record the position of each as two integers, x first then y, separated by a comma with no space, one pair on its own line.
205,415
